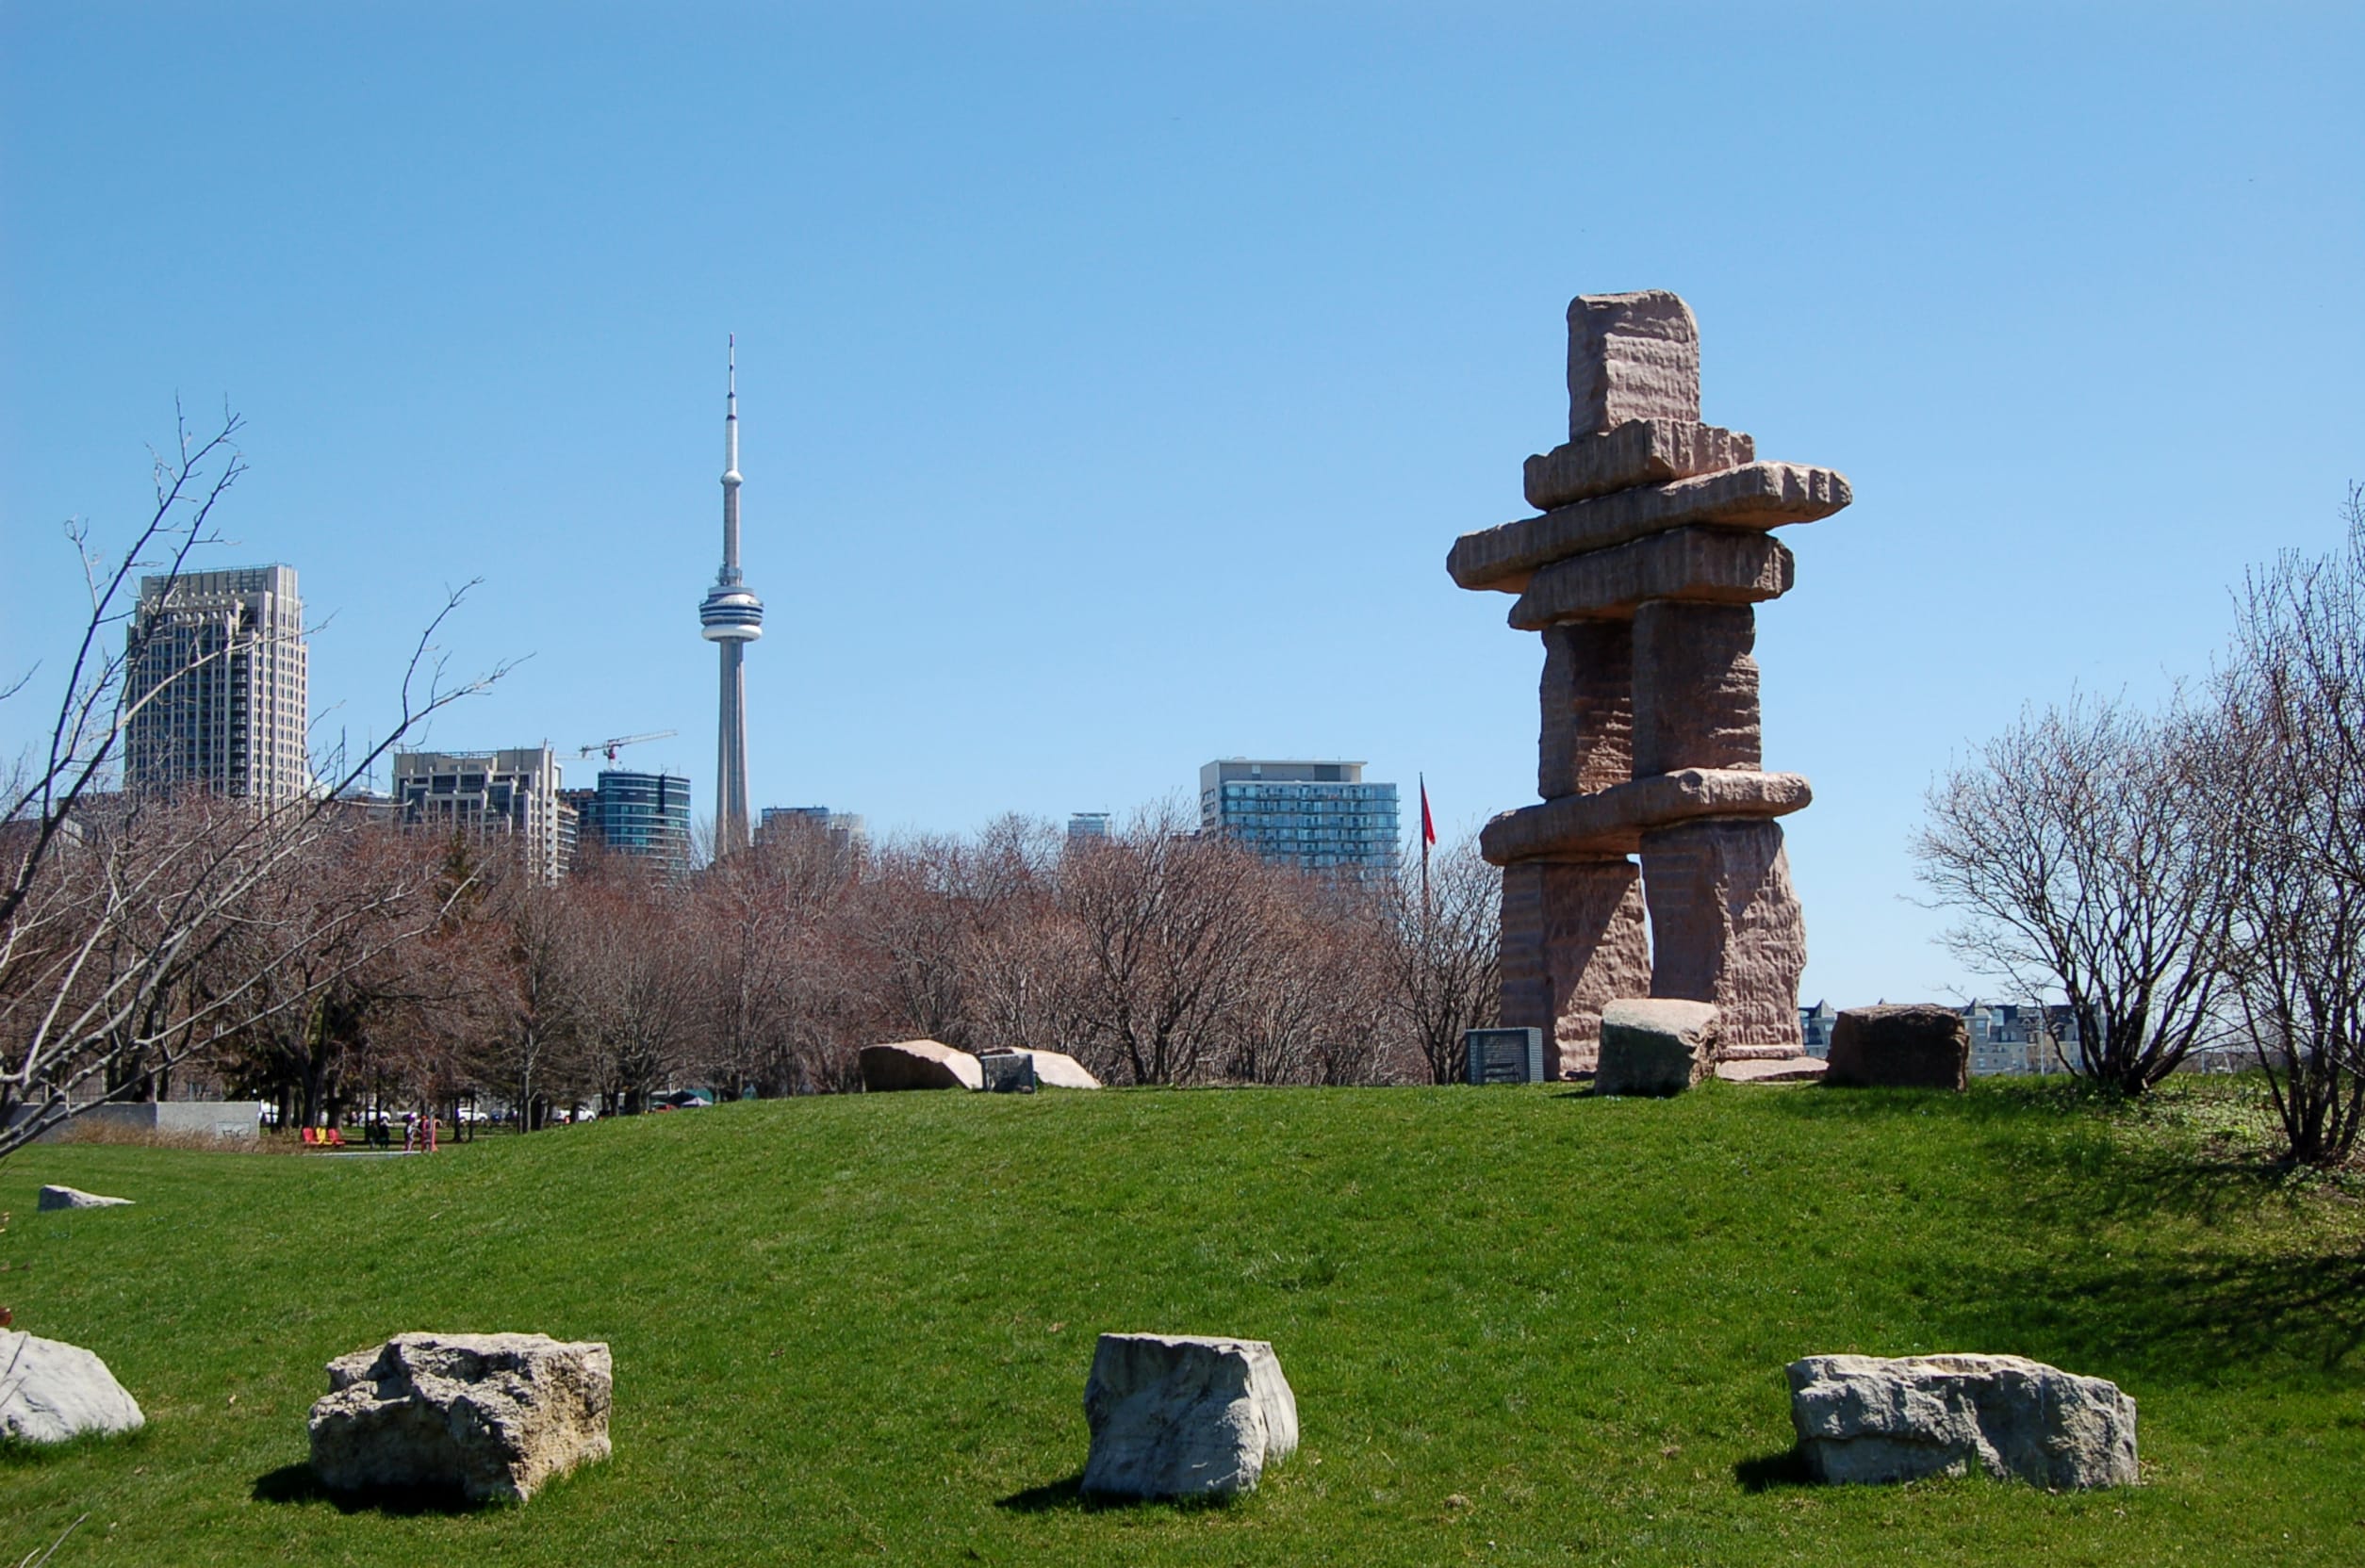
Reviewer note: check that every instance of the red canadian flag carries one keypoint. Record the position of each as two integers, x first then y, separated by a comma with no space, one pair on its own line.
1428,824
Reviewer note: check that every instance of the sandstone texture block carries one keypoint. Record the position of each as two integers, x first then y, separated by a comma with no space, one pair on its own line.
919,1065
489,1416
1640,452
1709,565
1630,356
1771,1069
74,1198
1869,1418
1615,821
1587,701
1183,1415
51,1392
1695,688
1655,1047
1759,496
1726,927
1574,937
1907,1045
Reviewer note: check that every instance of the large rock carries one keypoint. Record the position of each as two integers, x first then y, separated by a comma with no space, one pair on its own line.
1612,821
1655,1047
1057,1070
1630,356
1573,938
74,1198
1586,699
1903,1045
1866,1418
1640,452
1179,1415
51,1390
1696,689
1755,496
919,1065
491,1416
1703,566
1726,927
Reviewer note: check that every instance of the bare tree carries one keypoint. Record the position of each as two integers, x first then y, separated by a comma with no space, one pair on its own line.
110,905
2286,776
755,915
328,951
1443,947
2074,847
1169,934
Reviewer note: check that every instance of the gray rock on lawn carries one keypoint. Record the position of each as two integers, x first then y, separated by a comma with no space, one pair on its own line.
919,1065
1057,1070
491,1416
1902,1045
1183,1415
74,1198
51,1390
1869,1418
1655,1047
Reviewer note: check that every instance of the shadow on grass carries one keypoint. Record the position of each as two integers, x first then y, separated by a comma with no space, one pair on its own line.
297,1484
1068,1496
16,1452
1049,1498
1767,1471
2177,1320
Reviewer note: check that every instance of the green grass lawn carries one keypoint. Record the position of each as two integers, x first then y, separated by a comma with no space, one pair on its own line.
1523,1324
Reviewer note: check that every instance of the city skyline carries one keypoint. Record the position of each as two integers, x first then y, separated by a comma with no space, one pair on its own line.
1128,380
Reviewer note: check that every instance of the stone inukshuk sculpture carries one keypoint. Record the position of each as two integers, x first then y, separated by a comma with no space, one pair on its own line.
1652,545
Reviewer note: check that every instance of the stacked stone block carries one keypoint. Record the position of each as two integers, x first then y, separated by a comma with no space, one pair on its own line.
1651,545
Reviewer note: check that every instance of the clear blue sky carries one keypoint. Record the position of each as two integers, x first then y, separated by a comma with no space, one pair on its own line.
1116,377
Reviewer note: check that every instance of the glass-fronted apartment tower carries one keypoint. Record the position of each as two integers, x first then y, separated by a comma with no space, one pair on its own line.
1320,816
635,813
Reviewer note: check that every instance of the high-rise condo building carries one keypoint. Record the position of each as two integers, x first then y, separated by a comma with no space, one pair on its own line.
846,833
635,813
486,794
1320,816
215,693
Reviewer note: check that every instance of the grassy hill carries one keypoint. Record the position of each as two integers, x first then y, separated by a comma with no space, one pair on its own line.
1523,1324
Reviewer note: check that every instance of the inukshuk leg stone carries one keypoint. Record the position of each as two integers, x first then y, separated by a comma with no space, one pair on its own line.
1653,544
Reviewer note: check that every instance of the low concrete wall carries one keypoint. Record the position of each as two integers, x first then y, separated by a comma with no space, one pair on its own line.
227,1119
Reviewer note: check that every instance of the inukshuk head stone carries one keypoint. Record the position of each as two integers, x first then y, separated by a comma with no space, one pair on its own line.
1654,541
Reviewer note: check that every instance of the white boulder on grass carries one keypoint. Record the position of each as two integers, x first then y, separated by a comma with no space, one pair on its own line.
1057,1070
919,1065
490,1417
1870,1418
74,1198
1655,1045
1184,1415
51,1390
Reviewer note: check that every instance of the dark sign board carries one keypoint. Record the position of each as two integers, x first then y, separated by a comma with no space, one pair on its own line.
1010,1072
1505,1056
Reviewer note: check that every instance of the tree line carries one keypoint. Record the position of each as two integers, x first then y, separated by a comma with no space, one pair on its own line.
379,968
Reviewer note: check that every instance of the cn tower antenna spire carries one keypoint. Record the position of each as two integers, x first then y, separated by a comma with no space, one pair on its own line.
732,616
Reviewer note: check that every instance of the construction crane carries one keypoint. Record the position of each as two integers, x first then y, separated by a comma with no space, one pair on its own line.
609,748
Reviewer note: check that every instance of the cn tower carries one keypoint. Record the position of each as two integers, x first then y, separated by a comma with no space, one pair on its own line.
733,617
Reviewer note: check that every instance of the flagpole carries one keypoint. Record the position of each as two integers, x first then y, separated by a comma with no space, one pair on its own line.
1425,836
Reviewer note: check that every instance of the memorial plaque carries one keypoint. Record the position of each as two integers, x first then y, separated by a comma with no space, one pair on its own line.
1504,1056
1007,1072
